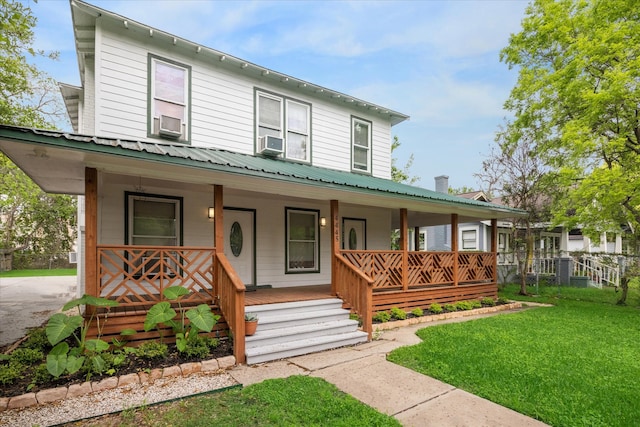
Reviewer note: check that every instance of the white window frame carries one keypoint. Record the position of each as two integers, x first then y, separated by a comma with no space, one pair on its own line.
283,130
176,201
154,116
356,124
469,243
316,242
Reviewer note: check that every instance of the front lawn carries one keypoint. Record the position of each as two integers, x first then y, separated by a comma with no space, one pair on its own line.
294,401
35,273
574,364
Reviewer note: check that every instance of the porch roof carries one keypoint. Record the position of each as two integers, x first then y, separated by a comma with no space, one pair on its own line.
56,161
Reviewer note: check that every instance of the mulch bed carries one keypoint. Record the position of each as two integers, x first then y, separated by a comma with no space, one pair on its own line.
133,364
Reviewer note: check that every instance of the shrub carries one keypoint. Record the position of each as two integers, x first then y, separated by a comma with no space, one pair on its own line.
9,373
488,301
200,347
382,316
417,312
502,300
464,305
475,304
450,307
435,308
152,350
37,340
398,313
355,316
41,375
27,356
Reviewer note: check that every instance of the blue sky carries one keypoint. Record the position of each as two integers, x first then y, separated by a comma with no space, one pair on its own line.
436,61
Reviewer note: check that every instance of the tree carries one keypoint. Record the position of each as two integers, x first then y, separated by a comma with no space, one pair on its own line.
519,177
401,175
30,218
578,100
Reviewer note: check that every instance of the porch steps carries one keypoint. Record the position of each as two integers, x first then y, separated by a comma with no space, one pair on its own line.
292,329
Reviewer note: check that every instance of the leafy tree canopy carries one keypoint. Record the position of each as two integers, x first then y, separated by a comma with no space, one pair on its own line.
577,100
30,218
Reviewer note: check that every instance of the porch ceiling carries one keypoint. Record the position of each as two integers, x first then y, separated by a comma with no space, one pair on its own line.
56,162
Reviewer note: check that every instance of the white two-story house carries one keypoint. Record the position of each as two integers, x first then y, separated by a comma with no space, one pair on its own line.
202,170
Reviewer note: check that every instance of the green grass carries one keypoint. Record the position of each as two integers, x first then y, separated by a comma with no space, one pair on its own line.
574,364
294,401
32,273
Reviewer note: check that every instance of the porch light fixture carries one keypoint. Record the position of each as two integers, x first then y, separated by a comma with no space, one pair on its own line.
211,212
323,221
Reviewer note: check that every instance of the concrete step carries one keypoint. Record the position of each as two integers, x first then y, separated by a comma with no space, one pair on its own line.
305,346
294,307
295,333
276,320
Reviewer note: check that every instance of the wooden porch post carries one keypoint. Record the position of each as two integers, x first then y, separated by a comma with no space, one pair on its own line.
91,233
454,246
335,244
494,248
218,224
404,228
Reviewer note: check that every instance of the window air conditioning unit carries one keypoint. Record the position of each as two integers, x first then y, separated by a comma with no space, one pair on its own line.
170,127
270,145
73,257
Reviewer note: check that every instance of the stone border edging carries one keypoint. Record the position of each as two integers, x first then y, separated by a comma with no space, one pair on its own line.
74,390
444,316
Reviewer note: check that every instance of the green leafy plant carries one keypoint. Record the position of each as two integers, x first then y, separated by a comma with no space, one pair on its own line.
40,376
250,317
488,301
355,316
475,304
502,300
450,307
201,318
464,305
37,340
382,316
60,326
152,350
200,347
10,372
435,308
398,313
417,312
27,356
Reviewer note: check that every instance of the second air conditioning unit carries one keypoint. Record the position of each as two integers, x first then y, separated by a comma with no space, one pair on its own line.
170,126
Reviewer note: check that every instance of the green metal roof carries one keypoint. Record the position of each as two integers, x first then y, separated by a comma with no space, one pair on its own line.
237,163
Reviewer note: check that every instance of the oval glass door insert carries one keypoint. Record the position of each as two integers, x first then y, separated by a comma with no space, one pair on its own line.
353,239
235,239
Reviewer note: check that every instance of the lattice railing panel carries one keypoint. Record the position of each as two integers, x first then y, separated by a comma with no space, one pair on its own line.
475,266
384,267
430,268
137,275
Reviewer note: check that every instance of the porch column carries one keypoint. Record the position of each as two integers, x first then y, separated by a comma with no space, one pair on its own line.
494,248
218,224
335,244
404,229
91,233
454,247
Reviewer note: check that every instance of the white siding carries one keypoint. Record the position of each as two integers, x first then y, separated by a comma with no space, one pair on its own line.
222,102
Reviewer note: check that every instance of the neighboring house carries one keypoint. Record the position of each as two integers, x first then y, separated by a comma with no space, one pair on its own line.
202,170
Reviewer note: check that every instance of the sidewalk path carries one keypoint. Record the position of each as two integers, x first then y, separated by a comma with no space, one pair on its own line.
27,302
412,398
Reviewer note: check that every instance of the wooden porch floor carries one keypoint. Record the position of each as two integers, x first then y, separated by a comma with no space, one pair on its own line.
276,295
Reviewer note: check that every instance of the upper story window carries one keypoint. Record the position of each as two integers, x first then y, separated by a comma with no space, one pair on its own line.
286,119
169,99
360,145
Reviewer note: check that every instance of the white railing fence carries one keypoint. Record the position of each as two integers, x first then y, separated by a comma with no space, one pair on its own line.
600,271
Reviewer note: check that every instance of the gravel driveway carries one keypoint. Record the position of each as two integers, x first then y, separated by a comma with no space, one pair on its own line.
27,302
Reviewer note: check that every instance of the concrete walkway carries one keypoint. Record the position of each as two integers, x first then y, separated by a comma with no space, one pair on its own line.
27,302
412,398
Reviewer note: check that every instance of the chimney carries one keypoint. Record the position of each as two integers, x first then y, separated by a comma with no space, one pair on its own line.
442,184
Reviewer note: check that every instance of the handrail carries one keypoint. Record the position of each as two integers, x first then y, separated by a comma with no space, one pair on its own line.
356,289
231,292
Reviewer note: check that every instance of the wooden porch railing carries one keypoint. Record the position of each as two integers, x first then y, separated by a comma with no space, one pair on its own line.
231,298
137,275
423,268
355,289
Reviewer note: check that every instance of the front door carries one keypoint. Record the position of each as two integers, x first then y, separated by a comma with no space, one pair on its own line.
239,242
354,234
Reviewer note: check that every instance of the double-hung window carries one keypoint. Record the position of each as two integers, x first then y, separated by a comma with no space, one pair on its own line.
302,241
287,119
169,87
469,239
360,145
